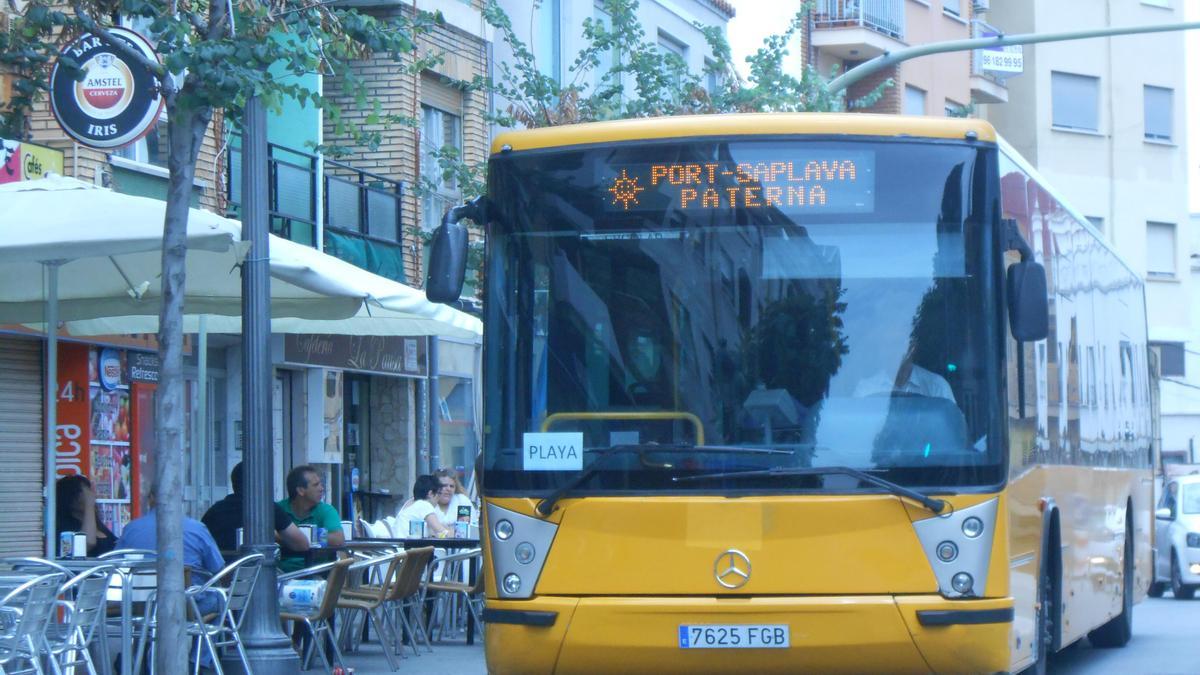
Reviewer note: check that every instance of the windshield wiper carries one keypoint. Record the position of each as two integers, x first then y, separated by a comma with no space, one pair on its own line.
546,506
931,503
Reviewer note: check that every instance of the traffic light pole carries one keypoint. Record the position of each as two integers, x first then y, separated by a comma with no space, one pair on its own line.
889,59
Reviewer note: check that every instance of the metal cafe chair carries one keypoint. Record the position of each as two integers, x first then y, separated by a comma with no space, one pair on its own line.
25,611
127,553
370,600
317,622
221,629
144,590
405,597
83,601
447,589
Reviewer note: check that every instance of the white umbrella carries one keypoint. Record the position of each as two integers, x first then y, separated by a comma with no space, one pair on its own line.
391,308
109,246
72,250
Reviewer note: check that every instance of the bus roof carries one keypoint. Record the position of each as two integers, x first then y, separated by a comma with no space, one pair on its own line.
692,126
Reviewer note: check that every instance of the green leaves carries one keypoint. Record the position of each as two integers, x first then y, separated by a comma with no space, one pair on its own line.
215,66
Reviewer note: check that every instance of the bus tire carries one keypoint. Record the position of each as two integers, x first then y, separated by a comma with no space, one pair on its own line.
1047,614
1119,629
1156,590
1178,589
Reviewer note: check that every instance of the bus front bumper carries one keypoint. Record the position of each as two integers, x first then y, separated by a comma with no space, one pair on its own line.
828,634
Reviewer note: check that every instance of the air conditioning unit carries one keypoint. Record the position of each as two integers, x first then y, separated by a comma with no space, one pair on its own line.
980,6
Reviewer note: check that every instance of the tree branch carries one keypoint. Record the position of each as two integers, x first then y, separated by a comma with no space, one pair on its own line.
218,17
197,23
119,45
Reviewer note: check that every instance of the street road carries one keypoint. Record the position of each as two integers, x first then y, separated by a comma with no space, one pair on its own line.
1164,641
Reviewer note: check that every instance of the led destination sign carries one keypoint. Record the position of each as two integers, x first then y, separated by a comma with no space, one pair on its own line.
826,182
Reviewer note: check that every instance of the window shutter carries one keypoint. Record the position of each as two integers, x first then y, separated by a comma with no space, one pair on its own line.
436,94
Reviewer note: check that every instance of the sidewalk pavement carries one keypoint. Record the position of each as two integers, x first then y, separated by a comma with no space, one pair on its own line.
451,657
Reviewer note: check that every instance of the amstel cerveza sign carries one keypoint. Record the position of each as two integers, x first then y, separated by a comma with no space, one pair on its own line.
116,102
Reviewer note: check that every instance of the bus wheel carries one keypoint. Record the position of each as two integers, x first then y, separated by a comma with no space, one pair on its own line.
1119,629
1044,622
1178,589
1157,588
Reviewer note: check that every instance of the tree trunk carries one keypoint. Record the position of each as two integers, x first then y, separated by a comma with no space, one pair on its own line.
185,131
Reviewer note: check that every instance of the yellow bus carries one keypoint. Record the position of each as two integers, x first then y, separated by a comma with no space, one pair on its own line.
801,392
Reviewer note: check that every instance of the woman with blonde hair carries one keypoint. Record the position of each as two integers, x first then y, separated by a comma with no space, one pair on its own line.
458,497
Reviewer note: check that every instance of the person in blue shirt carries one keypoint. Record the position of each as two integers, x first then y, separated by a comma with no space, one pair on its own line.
200,552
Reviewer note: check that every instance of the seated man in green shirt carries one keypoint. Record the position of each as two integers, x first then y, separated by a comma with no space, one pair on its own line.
304,506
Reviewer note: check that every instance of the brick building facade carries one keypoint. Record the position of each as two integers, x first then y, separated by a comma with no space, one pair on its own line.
441,110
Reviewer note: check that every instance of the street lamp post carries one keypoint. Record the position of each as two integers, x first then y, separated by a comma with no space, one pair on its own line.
888,59
268,648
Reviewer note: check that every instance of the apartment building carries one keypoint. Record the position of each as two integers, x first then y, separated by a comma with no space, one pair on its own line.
845,33
1104,121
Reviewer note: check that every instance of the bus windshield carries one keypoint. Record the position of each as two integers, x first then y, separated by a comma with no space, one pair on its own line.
828,299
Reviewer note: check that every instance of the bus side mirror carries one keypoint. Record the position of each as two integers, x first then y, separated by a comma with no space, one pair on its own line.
1163,514
1028,303
448,253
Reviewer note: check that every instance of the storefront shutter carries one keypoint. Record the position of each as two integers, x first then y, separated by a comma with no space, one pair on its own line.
21,447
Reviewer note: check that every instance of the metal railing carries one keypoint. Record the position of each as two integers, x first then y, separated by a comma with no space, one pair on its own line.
356,202
881,16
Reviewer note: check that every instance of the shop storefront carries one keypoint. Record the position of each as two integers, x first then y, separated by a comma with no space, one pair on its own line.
371,404
106,424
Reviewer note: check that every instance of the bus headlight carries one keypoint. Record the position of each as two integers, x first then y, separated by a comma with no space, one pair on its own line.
947,551
972,527
524,553
1193,540
512,583
962,582
504,530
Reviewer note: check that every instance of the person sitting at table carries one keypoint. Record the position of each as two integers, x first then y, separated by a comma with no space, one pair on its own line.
75,511
304,506
424,507
200,552
450,495
225,517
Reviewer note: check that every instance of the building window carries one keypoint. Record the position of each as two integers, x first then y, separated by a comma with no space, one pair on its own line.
1170,358
151,148
439,129
1097,222
952,7
914,100
668,46
1075,100
547,38
1158,103
712,78
1160,250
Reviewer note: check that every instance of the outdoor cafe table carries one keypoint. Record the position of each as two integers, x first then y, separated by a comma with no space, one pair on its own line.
125,569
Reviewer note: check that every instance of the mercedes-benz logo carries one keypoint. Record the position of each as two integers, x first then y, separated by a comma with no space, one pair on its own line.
732,569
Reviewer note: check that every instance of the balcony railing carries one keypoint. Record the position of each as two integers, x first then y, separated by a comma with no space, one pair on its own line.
882,16
361,210
981,29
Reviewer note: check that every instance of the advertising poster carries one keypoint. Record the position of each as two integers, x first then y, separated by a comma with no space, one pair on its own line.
115,515
110,415
74,410
111,429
